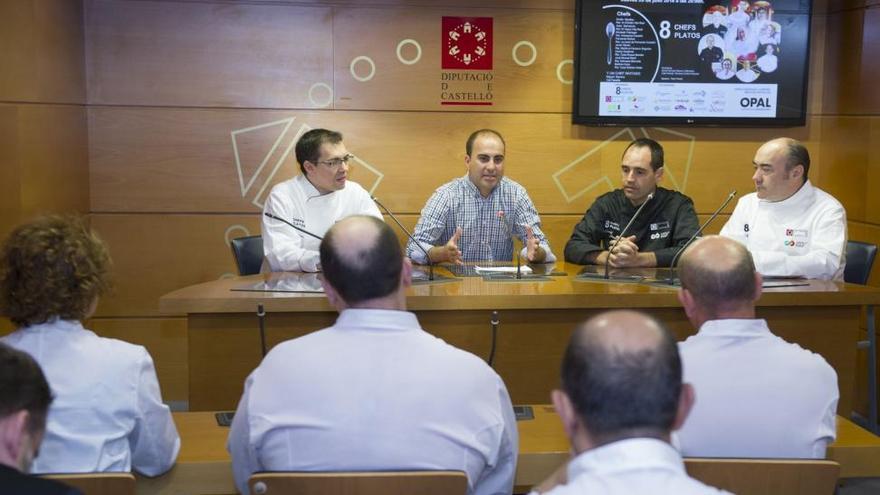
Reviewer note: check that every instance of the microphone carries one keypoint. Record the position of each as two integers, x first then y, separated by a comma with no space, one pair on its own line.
671,279
510,235
413,239
623,232
304,231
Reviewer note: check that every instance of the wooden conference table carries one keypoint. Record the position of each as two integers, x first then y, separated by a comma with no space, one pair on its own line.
204,466
536,319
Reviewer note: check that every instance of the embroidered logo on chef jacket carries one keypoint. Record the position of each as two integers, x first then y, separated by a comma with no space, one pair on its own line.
611,227
660,226
660,230
796,238
299,222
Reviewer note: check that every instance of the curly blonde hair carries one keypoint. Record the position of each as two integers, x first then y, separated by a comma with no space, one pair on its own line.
52,267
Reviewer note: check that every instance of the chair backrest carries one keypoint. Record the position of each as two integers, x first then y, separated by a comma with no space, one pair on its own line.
859,260
98,483
248,254
766,476
360,483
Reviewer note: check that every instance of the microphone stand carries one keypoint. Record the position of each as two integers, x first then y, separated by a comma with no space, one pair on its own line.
304,231
413,239
623,233
507,226
671,279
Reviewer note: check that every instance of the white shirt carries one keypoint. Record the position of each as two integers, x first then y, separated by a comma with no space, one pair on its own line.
767,63
725,74
756,394
108,413
297,201
746,75
375,392
637,466
804,235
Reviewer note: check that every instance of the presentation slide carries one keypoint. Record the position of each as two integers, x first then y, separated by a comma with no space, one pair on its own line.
687,59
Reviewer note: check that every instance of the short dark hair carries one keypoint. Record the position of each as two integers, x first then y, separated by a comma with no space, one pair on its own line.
620,394
797,154
308,148
720,286
654,146
23,387
469,145
376,271
52,267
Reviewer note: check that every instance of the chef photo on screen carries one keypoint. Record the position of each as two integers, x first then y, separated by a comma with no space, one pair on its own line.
710,55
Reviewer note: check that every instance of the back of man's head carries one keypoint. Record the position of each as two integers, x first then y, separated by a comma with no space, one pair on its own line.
719,274
622,374
24,404
361,259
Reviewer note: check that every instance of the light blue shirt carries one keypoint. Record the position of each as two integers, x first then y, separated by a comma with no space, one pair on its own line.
628,467
375,392
756,394
108,413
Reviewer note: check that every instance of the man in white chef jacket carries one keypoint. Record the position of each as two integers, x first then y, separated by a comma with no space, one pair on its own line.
791,227
313,201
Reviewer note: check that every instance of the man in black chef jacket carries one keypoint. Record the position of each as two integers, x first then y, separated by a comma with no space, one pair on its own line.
666,223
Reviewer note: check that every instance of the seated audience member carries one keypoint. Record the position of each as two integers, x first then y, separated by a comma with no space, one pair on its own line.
791,227
374,391
313,200
24,403
475,217
759,396
661,229
622,394
108,413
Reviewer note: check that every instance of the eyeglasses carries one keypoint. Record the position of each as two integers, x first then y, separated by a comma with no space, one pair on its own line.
335,163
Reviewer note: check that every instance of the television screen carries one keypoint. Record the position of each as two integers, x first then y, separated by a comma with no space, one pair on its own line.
704,62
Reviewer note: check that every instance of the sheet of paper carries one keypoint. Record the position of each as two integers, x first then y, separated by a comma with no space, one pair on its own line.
502,269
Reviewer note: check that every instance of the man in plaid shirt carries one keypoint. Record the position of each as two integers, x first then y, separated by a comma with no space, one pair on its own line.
475,217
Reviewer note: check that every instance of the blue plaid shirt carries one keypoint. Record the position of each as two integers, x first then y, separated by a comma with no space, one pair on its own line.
485,235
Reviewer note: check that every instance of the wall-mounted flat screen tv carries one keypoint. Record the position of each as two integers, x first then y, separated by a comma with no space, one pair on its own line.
700,62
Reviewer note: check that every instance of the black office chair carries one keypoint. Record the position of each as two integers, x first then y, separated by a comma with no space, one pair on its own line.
859,260
248,254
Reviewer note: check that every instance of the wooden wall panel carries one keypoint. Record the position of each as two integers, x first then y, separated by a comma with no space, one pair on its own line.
851,67
53,154
510,4
843,5
182,160
44,156
533,88
870,65
872,185
164,338
206,54
815,78
10,182
155,254
43,56
844,162
215,64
